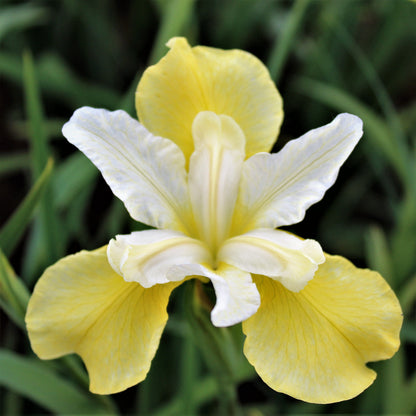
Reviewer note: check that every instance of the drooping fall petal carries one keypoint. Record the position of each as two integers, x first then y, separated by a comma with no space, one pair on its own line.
276,254
80,305
145,171
277,189
237,295
313,345
190,80
145,257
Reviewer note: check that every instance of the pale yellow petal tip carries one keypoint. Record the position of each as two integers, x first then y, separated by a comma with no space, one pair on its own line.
178,41
322,395
379,288
101,386
210,126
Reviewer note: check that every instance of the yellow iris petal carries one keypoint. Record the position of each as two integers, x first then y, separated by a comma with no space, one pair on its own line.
190,80
81,305
313,345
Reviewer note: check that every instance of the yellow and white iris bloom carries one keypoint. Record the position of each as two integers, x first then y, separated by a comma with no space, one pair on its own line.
197,171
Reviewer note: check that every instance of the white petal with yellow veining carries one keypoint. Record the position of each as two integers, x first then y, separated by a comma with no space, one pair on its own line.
274,253
214,174
237,295
145,171
277,189
146,256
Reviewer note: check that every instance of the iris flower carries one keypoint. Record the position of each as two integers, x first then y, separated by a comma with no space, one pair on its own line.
196,169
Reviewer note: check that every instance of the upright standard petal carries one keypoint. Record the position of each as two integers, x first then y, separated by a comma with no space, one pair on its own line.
145,257
190,80
277,254
277,189
145,171
313,345
237,295
214,175
80,305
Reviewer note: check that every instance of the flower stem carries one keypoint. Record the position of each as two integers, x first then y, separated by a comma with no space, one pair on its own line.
211,343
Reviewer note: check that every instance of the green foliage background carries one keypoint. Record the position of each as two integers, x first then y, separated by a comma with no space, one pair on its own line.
326,56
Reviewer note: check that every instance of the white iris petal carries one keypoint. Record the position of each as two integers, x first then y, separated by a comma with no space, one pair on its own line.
276,254
237,294
146,172
146,256
277,189
214,174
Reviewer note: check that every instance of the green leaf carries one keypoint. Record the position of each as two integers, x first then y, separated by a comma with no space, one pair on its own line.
12,231
408,332
212,343
188,375
71,177
283,46
205,390
408,118
394,38
378,131
127,100
34,112
393,398
12,163
40,152
175,15
403,239
113,220
34,380
407,295
57,79
15,18
369,73
34,256
53,128
11,66
378,253
14,295
410,395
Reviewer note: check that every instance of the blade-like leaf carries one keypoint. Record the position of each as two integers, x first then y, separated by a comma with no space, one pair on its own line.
34,112
378,253
284,44
40,152
378,131
12,163
51,71
34,380
407,295
14,295
71,177
20,17
11,232
175,16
